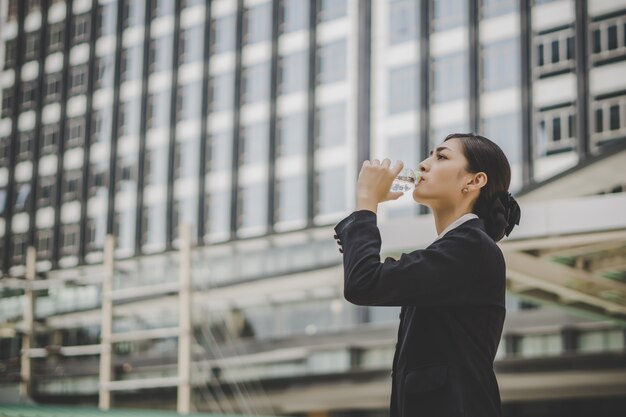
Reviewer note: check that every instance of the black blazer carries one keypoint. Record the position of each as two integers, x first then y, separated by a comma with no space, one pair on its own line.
452,298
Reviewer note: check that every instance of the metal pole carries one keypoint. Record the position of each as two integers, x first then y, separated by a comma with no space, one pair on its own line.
184,325
26,369
104,402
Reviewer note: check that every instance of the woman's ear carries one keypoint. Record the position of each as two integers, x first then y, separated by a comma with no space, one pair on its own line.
478,181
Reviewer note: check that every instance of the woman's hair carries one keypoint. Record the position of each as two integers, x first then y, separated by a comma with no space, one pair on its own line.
493,202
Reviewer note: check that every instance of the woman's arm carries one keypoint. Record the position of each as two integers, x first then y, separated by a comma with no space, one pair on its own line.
445,273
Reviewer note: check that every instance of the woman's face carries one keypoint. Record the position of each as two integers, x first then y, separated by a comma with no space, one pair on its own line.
443,176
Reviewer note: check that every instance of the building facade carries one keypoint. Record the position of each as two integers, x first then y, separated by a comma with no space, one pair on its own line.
248,120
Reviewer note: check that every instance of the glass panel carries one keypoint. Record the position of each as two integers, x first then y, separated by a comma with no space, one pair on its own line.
192,44
332,62
332,9
331,125
450,77
501,65
256,83
331,184
218,212
614,117
293,73
223,34
253,205
257,23
219,149
291,193
492,8
222,89
612,35
554,49
292,134
403,89
255,144
599,121
294,15
403,21
449,14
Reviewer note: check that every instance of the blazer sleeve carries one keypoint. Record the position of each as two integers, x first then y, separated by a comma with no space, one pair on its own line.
443,274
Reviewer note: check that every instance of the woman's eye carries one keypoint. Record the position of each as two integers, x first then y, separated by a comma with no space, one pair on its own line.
440,157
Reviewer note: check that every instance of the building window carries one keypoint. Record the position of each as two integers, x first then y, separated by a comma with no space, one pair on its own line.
19,241
186,159
98,180
45,194
132,14
50,139
608,117
189,101
331,63
404,148
220,152
538,345
223,31
332,9
555,131
608,38
160,57
55,37
75,132
26,146
449,75
69,239
257,26
493,8
7,102
22,197
191,44
500,65
44,243
293,15
4,152
156,165
31,45
330,124
221,91
10,53
252,205
158,110
605,340
78,80
403,21
448,14
217,216
130,63
107,18
33,5
253,145
291,134
128,118
105,69
80,28
255,82
403,89
71,185
12,12
290,198
101,125
53,87
554,52
160,8
29,89
292,73
330,191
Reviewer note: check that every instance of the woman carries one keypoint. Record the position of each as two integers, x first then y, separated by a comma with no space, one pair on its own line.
452,292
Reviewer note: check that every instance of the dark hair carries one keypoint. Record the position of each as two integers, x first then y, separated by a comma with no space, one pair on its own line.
494,205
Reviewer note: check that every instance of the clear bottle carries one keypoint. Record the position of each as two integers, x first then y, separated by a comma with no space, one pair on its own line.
405,181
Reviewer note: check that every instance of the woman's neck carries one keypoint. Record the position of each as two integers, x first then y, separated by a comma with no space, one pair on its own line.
445,217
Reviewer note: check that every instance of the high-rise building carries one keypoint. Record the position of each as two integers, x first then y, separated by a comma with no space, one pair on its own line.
248,120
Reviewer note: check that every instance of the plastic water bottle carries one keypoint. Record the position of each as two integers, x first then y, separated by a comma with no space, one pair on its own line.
405,181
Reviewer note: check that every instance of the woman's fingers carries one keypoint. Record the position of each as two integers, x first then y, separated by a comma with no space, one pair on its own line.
386,163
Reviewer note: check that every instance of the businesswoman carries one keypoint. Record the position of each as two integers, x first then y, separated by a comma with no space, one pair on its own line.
451,292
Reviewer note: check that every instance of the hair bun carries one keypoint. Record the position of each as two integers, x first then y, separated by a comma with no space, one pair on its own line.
504,213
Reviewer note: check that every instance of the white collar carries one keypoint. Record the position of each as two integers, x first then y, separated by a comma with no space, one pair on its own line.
457,222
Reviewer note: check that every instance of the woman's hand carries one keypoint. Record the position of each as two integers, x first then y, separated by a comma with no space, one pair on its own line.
374,182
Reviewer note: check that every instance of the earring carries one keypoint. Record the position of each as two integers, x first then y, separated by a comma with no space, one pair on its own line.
465,190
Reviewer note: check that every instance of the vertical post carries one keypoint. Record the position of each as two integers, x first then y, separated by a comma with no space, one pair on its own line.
184,322
26,369
104,402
